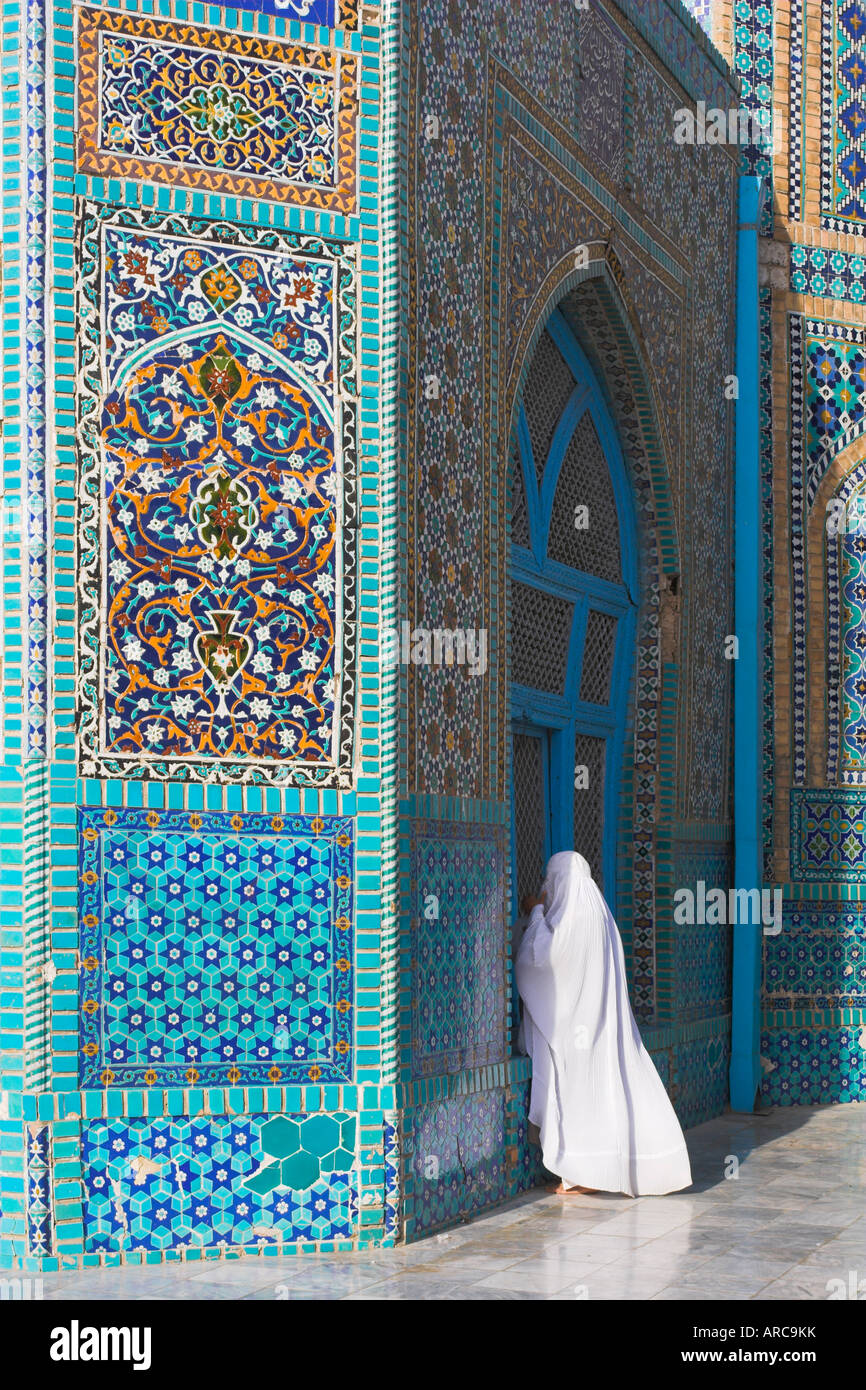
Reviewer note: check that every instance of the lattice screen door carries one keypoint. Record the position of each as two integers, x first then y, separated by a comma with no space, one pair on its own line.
531,808
572,615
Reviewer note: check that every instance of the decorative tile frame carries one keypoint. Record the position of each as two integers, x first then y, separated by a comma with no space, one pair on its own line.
132,857
335,403
250,70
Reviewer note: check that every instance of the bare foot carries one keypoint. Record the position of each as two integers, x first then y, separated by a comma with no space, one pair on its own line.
562,1191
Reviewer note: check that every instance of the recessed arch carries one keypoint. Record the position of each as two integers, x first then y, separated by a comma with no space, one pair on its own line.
843,481
595,308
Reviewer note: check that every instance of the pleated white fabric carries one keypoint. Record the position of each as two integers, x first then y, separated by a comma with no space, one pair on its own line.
604,1115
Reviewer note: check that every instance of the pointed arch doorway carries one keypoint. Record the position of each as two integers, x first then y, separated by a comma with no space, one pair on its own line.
573,610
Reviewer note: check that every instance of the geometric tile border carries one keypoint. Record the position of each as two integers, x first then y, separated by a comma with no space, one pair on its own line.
40,1216
831,274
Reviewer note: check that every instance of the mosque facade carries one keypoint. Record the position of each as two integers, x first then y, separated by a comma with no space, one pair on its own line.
426,429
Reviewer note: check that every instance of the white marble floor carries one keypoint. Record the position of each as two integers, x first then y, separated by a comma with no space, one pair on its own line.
790,1225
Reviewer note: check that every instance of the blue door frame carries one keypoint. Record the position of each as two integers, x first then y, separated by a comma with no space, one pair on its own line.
566,715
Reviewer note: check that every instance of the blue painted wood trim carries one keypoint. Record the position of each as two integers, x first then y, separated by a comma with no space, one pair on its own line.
563,716
748,669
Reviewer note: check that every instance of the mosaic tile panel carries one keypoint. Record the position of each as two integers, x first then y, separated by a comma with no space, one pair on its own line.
699,1078
457,1159
813,1065
391,1155
768,753
833,274
753,64
181,1184
214,514
828,835
799,489
818,960
845,627
215,948
40,1214
36,394
852,653
459,1013
701,954
528,1169
231,113
828,396
834,388
796,95
843,115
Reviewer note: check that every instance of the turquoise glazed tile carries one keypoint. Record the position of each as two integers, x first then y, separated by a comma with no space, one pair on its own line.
188,1184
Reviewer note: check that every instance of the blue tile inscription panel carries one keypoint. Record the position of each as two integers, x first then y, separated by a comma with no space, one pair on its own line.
215,948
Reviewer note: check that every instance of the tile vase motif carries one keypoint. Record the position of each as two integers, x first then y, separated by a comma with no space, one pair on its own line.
216,513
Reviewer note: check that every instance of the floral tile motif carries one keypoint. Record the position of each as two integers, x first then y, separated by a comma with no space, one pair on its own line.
459,1008
181,1184
828,835
216,447
237,114
215,949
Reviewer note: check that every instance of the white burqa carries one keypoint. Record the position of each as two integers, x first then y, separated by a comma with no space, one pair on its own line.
604,1115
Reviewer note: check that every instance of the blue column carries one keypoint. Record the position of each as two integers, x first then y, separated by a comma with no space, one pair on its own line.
748,668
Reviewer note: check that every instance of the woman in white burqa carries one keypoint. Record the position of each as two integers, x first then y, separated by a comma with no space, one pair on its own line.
605,1119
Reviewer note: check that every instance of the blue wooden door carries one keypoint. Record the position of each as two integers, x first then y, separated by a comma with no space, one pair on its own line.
573,604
